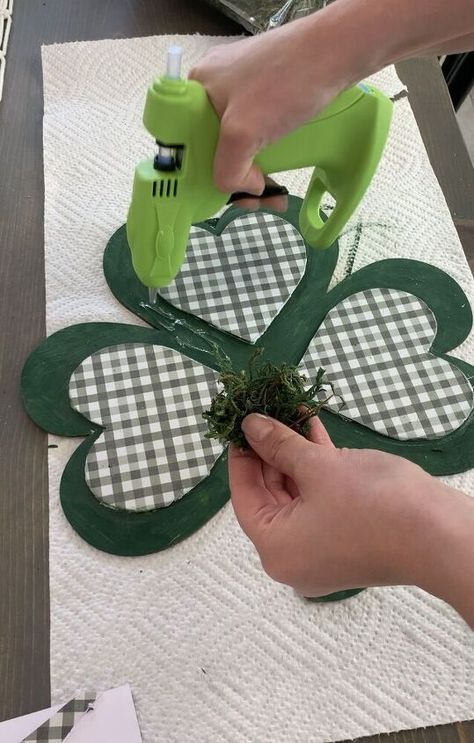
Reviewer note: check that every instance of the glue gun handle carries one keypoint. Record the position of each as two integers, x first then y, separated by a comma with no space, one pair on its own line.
344,145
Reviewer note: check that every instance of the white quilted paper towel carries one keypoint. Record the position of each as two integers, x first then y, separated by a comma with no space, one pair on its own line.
213,650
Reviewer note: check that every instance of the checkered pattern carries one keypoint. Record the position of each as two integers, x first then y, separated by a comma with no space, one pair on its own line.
241,279
150,401
60,725
375,347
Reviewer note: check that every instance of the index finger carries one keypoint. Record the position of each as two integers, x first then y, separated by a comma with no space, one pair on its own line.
234,169
318,433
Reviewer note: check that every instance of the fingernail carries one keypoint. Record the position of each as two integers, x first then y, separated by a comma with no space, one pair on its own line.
256,426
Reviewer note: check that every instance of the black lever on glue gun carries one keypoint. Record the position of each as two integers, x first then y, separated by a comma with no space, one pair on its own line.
270,190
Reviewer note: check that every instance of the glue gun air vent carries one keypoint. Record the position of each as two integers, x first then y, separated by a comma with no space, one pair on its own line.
165,189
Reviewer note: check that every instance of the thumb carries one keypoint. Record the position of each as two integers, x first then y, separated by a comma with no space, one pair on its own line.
234,169
278,445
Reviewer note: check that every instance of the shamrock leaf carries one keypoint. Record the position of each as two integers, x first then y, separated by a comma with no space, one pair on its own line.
240,278
375,349
148,400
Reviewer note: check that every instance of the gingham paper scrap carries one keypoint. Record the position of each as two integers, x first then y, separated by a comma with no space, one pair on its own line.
108,717
58,727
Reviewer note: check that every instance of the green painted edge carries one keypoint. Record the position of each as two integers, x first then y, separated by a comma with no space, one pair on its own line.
437,289
47,371
136,534
129,534
320,265
338,596
449,454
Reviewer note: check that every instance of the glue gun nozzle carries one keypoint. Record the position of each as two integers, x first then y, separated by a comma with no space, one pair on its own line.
152,295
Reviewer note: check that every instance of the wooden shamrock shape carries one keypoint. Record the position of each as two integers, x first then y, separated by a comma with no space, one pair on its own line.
143,479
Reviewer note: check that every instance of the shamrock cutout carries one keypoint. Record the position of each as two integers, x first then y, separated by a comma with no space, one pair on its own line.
375,349
115,384
148,399
241,278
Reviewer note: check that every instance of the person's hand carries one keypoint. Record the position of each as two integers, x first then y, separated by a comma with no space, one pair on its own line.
324,519
262,88
266,86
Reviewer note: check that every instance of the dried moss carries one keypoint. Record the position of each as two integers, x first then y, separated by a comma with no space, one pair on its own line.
276,390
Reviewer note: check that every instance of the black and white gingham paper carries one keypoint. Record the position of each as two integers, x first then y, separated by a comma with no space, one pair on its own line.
375,347
150,400
241,279
60,725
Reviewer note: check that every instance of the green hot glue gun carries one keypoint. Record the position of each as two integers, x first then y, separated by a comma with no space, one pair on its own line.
176,188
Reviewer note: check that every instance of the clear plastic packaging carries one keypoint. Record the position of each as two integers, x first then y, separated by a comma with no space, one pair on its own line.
264,14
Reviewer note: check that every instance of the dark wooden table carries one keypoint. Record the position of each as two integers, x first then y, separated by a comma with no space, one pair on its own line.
24,598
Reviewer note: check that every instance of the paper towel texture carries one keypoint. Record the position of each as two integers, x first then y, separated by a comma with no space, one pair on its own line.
213,650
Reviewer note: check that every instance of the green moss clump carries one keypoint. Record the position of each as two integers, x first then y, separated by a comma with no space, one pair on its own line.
276,390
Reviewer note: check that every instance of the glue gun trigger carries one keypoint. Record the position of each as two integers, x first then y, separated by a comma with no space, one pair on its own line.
269,191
